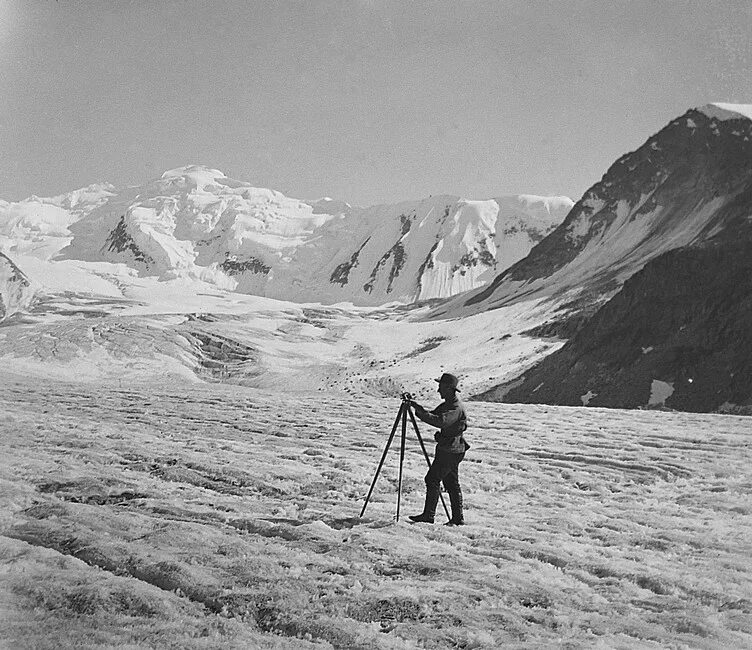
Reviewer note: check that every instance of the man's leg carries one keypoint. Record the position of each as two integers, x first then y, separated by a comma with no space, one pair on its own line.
433,487
442,464
452,484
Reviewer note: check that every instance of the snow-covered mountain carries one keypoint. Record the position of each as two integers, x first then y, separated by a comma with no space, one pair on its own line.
39,226
195,222
688,184
16,292
668,234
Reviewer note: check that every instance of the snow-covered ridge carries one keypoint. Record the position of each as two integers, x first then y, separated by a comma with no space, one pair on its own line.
195,222
722,111
551,203
39,225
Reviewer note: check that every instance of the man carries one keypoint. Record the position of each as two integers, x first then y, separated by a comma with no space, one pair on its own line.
449,416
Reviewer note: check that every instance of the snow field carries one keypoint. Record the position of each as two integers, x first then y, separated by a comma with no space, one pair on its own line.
122,327
218,516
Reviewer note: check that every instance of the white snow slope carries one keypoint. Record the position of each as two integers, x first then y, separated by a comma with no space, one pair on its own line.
118,326
196,223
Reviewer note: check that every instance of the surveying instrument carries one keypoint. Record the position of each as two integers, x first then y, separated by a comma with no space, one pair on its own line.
405,410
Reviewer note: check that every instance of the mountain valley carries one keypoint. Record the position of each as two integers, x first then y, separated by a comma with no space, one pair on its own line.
199,276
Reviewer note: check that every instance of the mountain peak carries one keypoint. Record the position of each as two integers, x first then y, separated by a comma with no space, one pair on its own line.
195,176
193,170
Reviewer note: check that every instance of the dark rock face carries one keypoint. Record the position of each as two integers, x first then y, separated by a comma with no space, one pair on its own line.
233,266
120,240
685,320
397,254
685,185
15,289
341,274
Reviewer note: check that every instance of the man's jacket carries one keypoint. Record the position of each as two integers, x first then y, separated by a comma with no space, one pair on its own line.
450,417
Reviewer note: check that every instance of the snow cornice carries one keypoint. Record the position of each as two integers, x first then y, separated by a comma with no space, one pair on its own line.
722,111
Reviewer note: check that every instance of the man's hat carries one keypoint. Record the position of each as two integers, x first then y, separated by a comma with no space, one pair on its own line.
450,380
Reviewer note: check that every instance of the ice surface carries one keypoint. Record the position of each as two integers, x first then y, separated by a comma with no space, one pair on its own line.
217,516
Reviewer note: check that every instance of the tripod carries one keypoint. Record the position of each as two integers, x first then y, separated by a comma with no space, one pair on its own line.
404,411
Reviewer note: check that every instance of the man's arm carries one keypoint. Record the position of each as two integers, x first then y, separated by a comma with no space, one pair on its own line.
440,417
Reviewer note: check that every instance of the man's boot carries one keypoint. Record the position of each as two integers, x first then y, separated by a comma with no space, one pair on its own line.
458,518
429,509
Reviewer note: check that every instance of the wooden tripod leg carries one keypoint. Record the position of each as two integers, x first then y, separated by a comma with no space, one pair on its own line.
383,457
402,457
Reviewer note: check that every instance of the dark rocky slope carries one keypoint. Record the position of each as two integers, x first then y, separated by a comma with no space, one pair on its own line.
685,319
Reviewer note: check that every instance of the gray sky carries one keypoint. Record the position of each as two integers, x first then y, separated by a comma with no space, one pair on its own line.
367,101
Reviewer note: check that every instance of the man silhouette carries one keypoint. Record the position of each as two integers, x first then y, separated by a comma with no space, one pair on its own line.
450,418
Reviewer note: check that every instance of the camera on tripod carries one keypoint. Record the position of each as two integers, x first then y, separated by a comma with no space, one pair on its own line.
405,412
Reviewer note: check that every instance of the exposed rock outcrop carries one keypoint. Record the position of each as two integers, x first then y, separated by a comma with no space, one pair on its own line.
16,292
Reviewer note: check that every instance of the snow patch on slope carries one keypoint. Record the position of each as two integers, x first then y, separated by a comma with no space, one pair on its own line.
660,391
722,111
